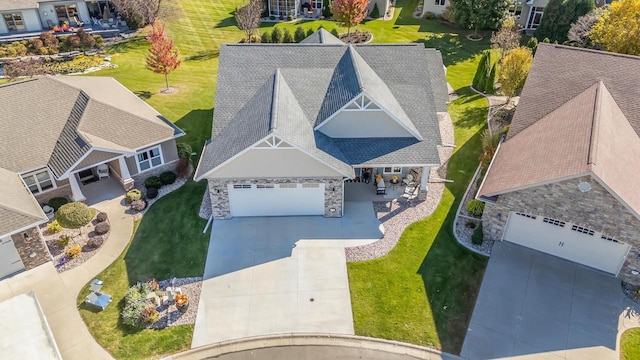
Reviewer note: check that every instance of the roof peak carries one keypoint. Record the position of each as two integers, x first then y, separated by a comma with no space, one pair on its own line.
580,49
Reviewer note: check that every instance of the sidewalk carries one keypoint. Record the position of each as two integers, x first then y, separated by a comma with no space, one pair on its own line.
57,293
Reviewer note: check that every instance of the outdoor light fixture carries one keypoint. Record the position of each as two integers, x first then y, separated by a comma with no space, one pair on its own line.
334,189
332,210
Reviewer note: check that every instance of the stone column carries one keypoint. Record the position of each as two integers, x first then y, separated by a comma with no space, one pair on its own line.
127,181
76,193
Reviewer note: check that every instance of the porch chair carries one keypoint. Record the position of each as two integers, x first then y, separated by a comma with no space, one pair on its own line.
79,23
103,171
382,188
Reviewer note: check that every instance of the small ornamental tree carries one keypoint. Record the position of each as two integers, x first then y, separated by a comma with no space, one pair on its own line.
618,29
74,215
248,17
579,31
162,57
349,13
514,70
479,14
507,38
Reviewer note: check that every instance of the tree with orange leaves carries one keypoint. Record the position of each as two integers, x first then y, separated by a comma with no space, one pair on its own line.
349,13
162,57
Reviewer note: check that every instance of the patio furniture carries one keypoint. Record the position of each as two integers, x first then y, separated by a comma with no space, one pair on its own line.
79,23
98,299
408,180
382,188
103,171
96,285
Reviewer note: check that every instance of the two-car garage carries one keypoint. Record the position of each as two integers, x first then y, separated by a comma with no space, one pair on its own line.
281,199
567,240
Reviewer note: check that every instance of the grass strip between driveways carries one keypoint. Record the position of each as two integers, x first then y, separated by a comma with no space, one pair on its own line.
167,242
630,344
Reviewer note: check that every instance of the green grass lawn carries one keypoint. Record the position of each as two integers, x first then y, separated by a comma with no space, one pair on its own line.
167,242
401,296
630,344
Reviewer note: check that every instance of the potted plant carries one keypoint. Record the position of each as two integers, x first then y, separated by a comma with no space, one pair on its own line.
182,303
48,210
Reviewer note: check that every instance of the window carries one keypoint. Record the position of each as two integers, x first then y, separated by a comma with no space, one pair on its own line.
39,181
392,170
554,222
580,229
14,22
288,186
245,186
440,2
515,9
609,238
149,159
265,186
66,13
535,15
526,215
310,186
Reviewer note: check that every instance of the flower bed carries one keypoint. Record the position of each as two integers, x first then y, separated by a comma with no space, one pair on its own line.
467,223
78,237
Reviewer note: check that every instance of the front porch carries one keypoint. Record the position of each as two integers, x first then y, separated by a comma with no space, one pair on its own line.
100,182
387,183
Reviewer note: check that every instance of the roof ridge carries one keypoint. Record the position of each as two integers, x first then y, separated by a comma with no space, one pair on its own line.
595,125
352,54
277,77
608,53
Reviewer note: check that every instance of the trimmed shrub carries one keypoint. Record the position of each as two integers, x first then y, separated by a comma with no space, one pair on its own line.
56,202
132,314
153,285
152,193
491,81
310,32
137,292
375,13
95,242
470,224
153,182
185,150
265,37
478,237
149,315
447,14
74,215
103,227
133,195
135,305
102,217
299,34
533,44
479,79
335,33
64,240
138,205
286,36
276,35
475,207
54,227
429,15
73,251
167,177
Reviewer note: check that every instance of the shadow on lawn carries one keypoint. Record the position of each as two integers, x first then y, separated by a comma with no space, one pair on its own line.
128,45
204,55
197,125
452,291
226,22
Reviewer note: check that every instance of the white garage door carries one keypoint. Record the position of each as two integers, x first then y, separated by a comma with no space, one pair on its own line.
567,241
276,199
10,261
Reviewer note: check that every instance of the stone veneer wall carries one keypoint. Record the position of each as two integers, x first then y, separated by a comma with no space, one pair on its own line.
220,200
596,209
31,244
141,177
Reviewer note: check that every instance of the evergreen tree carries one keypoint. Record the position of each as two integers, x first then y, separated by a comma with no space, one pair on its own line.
491,81
558,17
276,35
375,13
479,14
335,33
479,79
310,32
299,34
286,36
265,38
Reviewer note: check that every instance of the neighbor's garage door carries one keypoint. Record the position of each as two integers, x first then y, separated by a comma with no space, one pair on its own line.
276,199
10,261
567,241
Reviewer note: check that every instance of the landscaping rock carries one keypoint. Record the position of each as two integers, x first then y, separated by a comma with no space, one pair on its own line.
95,242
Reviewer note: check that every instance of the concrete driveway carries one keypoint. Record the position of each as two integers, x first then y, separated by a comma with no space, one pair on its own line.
536,306
271,275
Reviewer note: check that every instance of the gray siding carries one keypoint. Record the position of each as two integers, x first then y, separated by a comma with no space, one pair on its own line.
96,157
169,151
131,164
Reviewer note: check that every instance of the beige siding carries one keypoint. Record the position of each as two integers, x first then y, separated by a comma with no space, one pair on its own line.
365,124
131,164
262,163
431,6
94,158
114,165
169,151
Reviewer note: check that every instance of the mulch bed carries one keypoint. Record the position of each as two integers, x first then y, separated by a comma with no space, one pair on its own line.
357,37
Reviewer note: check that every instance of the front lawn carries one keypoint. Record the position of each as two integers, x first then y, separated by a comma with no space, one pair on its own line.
630,344
167,242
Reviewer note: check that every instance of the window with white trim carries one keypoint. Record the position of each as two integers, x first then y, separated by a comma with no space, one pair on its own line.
612,239
526,215
392,170
39,181
554,222
265,186
583,230
244,186
440,2
149,158
515,9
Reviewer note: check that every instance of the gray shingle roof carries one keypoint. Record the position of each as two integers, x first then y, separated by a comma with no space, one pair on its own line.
321,36
322,79
18,209
55,120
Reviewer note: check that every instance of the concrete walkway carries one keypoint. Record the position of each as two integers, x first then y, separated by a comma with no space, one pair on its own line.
57,293
272,275
536,306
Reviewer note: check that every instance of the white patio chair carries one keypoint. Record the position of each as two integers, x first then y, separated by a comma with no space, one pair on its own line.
103,171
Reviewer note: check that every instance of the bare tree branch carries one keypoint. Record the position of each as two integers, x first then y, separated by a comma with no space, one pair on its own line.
248,17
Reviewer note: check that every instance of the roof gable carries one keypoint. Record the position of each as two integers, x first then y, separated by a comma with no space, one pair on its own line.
18,208
321,36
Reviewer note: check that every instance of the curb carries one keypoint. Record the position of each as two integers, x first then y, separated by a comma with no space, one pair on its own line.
309,339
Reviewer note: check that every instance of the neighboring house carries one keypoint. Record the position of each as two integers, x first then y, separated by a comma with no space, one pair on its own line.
566,179
435,6
57,132
311,8
294,121
21,16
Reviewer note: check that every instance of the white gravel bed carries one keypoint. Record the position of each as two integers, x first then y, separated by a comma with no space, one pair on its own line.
205,206
397,214
169,313
631,291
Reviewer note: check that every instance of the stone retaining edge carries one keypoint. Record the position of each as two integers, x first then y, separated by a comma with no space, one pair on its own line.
308,339
455,234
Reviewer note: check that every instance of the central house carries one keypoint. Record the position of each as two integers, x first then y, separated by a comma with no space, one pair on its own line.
293,122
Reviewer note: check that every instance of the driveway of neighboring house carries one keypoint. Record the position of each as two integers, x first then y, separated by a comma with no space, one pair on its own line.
271,275
536,306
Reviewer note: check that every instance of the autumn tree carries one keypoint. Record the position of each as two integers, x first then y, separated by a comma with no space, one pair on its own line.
479,14
558,17
514,70
507,38
618,30
162,57
248,17
579,31
349,13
